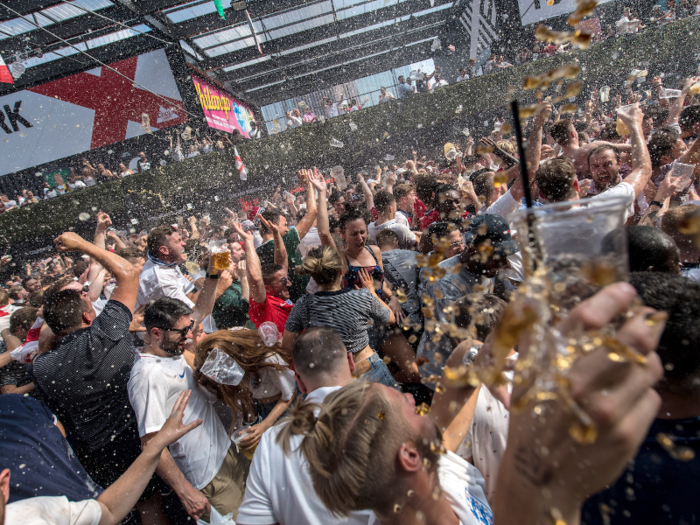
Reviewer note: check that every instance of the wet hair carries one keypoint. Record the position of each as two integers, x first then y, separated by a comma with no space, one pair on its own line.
651,250
15,291
4,297
560,132
158,237
657,114
689,117
402,190
64,310
485,313
662,143
383,200
36,299
601,149
680,340
272,216
335,196
426,185
323,263
387,237
319,352
131,254
351,448
268,270
555,179
23,319
440,229
609,132
27,279
58,285
350,215
164,313
80,267
246,347
508,146
483,184
47,280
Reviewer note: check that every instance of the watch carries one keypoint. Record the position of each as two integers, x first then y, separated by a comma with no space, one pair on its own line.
212,276
656,203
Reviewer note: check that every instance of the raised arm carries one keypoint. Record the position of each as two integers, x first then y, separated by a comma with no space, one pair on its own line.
676,106
126,275
280,249
252,262
307,221
369,198
207,295
319,184
641,162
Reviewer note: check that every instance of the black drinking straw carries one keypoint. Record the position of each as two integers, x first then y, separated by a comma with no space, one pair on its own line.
530,216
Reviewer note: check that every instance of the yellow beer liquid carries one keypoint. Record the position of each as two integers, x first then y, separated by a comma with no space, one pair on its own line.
622,128
695,89
221,261
248,452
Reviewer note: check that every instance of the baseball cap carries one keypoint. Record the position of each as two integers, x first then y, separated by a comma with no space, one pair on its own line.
494,228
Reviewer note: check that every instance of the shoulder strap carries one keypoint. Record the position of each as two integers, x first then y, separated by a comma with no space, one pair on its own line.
372,254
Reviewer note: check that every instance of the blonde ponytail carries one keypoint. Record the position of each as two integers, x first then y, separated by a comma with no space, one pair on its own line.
323,263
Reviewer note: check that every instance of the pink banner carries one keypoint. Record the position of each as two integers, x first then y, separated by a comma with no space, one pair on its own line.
221,110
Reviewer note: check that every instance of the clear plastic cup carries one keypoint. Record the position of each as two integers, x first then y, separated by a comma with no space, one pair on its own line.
450,151
685,171
670,93
268,333
219,250
336,143
338,174
583,246
622,128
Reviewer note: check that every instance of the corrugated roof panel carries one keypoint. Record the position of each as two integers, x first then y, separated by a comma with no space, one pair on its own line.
195,11
289,17
248,63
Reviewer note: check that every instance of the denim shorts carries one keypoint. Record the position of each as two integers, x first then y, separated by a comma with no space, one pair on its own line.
379,373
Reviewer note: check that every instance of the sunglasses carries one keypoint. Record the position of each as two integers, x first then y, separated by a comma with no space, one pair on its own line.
182,331
284,281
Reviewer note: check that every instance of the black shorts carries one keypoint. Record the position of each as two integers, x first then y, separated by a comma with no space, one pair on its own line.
106,464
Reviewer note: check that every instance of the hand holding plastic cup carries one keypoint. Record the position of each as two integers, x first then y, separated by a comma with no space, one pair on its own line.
685,172
268,333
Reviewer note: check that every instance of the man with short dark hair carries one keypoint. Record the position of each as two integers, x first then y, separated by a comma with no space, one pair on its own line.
31,284
83,379
161,276
202,467
405,195
446,206
557,181
279,488
604,165
672,224
651,250
689,121
385,205
401,270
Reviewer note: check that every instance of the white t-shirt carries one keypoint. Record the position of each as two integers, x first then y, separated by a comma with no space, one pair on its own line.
486,439
386,98
310,240
77,185
270,382
6,313
332,111
157,280
279,487
463,487
407,239
623,189
401,218
505,206
154,386
89,181
54,511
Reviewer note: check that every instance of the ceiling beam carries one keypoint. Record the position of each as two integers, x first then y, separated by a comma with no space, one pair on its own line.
340,57
281,44
341,74
25,7
396,33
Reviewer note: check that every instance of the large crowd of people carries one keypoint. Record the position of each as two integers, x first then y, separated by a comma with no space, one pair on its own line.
323,356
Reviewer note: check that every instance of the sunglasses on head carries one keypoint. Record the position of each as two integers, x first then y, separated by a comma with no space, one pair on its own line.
182,331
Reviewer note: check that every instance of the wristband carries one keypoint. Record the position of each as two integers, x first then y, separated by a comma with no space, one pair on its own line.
656,203
212,276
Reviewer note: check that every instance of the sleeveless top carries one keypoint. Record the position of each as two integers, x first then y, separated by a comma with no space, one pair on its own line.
352,277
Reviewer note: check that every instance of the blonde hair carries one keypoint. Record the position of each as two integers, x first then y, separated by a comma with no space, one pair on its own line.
351,448
246,347
323,263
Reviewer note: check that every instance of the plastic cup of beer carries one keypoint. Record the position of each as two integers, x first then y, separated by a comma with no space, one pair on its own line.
622,128
219,250
685,171
338,174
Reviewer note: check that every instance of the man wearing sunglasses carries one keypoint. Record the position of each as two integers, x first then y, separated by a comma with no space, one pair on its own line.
202,468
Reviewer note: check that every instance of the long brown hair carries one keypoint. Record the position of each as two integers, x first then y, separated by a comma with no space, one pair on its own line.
246,347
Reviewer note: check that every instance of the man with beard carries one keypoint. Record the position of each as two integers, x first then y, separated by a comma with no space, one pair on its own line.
489,243
202,467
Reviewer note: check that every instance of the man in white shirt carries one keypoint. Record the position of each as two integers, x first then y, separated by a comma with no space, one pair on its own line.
384,95
405,196
161,276
385,204
202,468
331,107
557,181
113,505
279,488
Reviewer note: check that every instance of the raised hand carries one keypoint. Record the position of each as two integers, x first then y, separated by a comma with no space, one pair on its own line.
103,221
317,181
246,236
68,242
